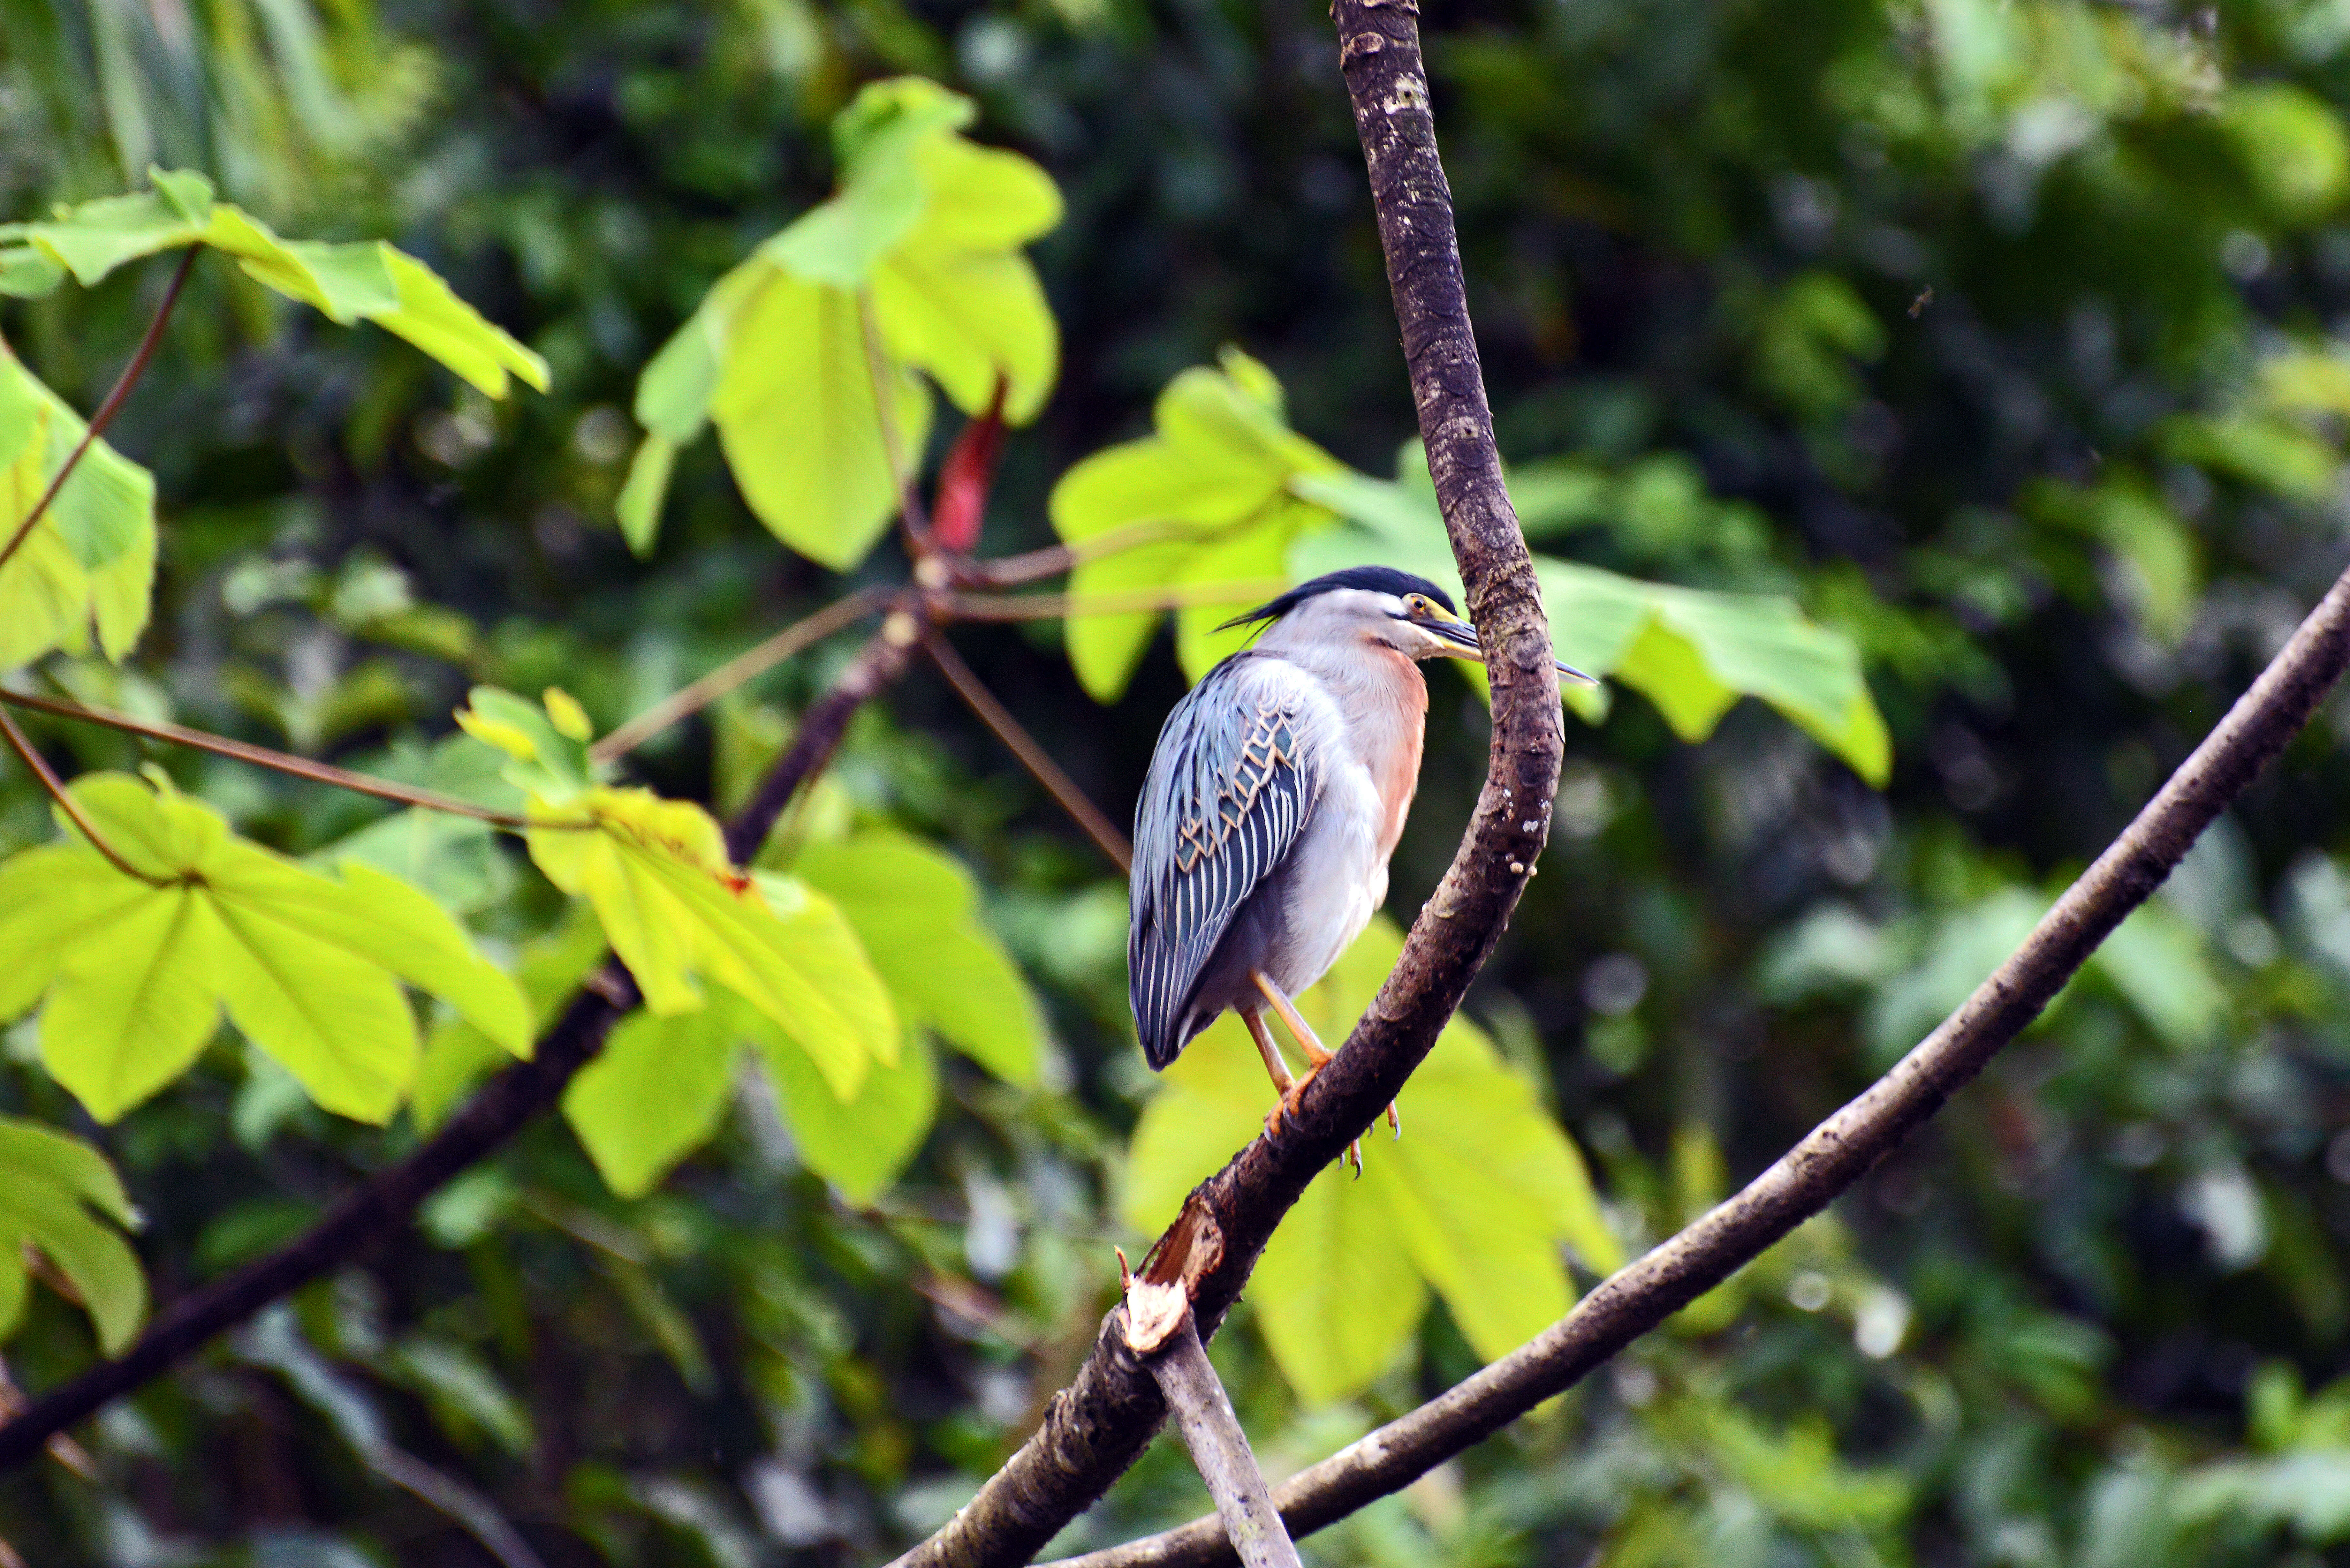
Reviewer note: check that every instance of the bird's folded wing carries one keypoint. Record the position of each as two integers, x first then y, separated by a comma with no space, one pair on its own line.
1237,775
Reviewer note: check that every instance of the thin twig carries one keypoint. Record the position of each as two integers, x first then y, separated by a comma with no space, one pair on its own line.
1035,565
263,757
743,667
41,770
1063,606
883,659
1838,1152
106,410
1021,744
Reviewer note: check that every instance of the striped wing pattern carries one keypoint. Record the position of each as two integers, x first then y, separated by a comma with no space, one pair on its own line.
1230,789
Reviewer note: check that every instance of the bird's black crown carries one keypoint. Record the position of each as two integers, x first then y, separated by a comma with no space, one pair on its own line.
1377,579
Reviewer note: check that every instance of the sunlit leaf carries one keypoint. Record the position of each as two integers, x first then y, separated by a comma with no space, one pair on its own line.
1217,474
917,912
859,1143
136,972
656,1092
914,263
671,907
89,561
50,1185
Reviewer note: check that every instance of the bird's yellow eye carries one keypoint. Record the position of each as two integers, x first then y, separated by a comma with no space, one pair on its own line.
1416,604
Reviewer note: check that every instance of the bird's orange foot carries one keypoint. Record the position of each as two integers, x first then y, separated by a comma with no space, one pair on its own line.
1395,1121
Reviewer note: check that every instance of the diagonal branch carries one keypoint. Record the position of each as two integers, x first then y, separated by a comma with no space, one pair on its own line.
263,757
748,665
1838,1152
1097,1426
388,1199
1021,744
108,409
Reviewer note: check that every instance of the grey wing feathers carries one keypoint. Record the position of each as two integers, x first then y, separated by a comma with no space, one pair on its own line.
1230,789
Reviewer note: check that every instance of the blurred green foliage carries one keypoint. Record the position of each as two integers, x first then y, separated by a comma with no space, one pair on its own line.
2001,338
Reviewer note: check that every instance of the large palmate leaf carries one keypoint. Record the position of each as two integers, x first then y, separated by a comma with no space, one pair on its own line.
137,969
660,1089
1216,477
656,872
49,1185
366,280
1693,653
917,912
88,566
1475,1201
915,264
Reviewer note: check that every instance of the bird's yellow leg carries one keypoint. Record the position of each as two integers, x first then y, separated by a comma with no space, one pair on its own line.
1317,1057
1316,1054
1274,1067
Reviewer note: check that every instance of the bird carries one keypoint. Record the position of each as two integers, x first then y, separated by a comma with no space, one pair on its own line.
1277,794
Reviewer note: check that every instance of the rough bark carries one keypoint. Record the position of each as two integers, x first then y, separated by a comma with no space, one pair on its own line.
1836,1153
1171,1348
1093,1429
388,1199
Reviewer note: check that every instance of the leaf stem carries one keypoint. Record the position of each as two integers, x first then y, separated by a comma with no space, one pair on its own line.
262,756
1021,744
108,409
893,451
1035,565
1061,607
746,666
41,770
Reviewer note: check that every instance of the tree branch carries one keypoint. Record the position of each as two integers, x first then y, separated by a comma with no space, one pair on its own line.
263,757
388,1199
110,408
1097,1426
1838,1152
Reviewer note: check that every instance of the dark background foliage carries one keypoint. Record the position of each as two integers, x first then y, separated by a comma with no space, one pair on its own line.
1960,322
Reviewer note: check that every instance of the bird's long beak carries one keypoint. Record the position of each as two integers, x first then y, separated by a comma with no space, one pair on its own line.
1462,638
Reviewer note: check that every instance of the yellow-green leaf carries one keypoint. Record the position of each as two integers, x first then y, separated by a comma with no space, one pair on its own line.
137,967
859,1142
656,1092
49,1183
917,912
656,873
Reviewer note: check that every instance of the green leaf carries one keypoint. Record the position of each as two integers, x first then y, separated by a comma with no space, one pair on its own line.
2292,146
89,561
859,1143
926,228
1474,1200
365,280
1690,653
917,912
547,764
656,873
1217,473
801,427
2159,964
656,1092
136,972
50,1184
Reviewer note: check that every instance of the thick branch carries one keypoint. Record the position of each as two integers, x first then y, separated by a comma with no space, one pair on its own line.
388,1199
1838,1152
1097,1426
